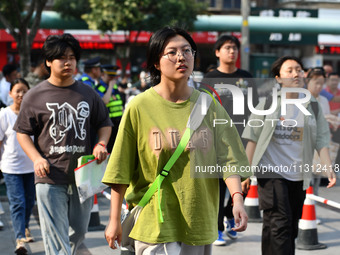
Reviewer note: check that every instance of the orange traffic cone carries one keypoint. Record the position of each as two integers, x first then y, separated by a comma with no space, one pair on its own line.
308,234
251,202
94,224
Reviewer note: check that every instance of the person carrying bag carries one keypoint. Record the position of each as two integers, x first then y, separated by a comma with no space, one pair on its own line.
128,221
181,215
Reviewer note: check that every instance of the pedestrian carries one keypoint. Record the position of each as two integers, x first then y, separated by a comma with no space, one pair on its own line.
315,80
38,74
124,87
10,73
226,50
283,149
149,132
108,91
91,77
60,122
92,72
17,169
142,84
328,69
332,83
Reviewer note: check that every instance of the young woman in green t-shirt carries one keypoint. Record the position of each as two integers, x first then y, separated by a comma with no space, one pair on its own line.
149,132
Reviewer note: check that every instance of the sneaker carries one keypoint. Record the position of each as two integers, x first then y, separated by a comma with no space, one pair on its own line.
220,241
20,248
231,233
1,225
29,237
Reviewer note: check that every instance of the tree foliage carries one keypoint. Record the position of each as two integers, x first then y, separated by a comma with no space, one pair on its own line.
6,8
72,8
149,15
138,15
173,12
22,25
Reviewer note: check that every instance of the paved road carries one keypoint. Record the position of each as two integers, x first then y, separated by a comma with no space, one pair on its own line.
248,242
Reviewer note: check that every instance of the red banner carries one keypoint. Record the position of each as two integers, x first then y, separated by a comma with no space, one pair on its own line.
88,36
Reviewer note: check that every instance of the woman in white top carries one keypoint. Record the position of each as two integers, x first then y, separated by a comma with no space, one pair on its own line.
17,168
315,80
283,149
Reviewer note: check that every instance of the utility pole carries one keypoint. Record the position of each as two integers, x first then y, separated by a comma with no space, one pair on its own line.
245,51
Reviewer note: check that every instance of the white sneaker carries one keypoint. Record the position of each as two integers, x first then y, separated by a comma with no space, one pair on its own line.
229,232
1,225
220,241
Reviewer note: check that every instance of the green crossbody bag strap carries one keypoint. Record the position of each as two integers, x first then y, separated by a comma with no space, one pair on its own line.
180,148
195,119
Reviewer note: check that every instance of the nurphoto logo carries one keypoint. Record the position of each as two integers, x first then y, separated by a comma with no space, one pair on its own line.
238,104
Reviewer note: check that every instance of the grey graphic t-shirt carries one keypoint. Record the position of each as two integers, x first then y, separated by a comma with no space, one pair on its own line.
60,119
284,152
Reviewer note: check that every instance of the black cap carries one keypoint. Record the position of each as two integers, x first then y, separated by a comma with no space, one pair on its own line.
92,62
110,69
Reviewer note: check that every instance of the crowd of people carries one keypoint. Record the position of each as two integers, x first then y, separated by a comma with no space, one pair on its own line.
142,126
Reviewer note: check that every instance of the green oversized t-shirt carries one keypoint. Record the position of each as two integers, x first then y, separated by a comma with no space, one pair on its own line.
149,133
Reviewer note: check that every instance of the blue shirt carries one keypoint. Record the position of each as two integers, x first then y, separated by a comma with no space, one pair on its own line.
327,95
85,78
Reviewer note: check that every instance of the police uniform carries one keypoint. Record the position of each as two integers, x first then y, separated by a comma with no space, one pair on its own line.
115,106
87,79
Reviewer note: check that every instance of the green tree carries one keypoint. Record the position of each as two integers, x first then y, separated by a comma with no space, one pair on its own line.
22,25
138,15
71,8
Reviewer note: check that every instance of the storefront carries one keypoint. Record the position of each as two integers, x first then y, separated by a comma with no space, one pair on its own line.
273,33
112,48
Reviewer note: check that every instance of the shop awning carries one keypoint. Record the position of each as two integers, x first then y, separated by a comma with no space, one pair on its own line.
268,24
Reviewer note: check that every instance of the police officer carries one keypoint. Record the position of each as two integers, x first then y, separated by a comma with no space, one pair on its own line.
91,77
92,72
108,91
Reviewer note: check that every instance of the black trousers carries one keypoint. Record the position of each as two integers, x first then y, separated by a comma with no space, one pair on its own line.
281,201
115,122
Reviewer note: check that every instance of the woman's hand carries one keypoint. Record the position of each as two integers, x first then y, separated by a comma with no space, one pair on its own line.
240,215
331,179
113,234
113,231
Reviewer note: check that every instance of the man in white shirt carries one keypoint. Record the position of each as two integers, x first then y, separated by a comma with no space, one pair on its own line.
10,73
